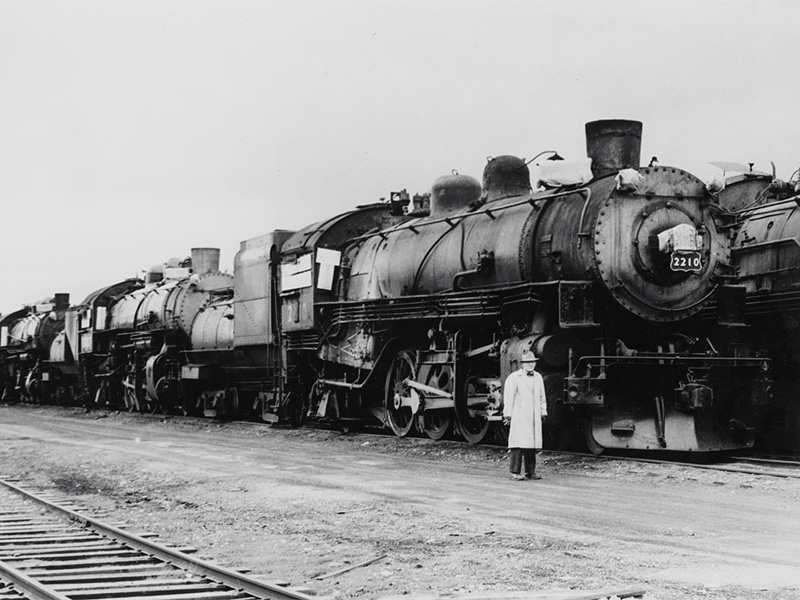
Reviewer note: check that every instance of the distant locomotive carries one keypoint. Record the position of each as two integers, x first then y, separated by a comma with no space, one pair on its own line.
26,336
766,256
410,314
128,339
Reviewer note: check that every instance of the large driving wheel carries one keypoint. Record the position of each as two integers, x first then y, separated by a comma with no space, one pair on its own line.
472,425
153,407
167,394
436,423
130,394
398,411
33,386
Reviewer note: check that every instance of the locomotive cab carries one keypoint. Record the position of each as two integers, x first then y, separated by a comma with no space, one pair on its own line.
315,274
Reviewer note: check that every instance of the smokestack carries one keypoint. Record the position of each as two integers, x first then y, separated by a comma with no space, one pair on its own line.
205,260
613,145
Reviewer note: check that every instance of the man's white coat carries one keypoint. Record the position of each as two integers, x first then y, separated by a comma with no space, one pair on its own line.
524,401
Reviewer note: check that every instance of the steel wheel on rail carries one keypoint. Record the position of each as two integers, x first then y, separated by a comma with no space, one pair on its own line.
435,424
233,411
168,394
472,425
588,430
153,407
129,394
399,415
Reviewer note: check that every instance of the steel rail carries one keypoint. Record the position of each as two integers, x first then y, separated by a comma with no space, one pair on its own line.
707,467
768,462
175,558
32,589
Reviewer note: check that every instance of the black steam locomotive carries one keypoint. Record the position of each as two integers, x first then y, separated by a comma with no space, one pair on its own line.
410,313
766,255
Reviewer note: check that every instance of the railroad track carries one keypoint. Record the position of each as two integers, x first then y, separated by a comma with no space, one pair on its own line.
789,467
49,551
749,466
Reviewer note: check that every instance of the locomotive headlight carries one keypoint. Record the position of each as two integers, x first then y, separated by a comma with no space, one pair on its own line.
683,243
573,391
681,237
669,245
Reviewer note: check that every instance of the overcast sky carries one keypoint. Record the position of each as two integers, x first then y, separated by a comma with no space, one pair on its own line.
131,131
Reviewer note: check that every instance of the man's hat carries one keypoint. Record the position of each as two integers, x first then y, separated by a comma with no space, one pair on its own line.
528,356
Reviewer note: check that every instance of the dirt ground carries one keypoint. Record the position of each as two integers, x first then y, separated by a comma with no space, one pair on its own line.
445,518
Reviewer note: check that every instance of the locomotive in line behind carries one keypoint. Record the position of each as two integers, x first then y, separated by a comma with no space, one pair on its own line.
766,256
26,336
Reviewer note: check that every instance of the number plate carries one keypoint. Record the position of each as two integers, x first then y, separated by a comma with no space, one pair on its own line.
686,260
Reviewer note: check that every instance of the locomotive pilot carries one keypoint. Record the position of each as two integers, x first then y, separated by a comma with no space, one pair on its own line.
524,408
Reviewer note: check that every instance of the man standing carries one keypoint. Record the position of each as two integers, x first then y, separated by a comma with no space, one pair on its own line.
524,407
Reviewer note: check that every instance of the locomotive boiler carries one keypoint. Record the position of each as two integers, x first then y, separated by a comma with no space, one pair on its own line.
417,323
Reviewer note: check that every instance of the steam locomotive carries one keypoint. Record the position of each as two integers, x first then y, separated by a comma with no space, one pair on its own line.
766,254
410,313
26,338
